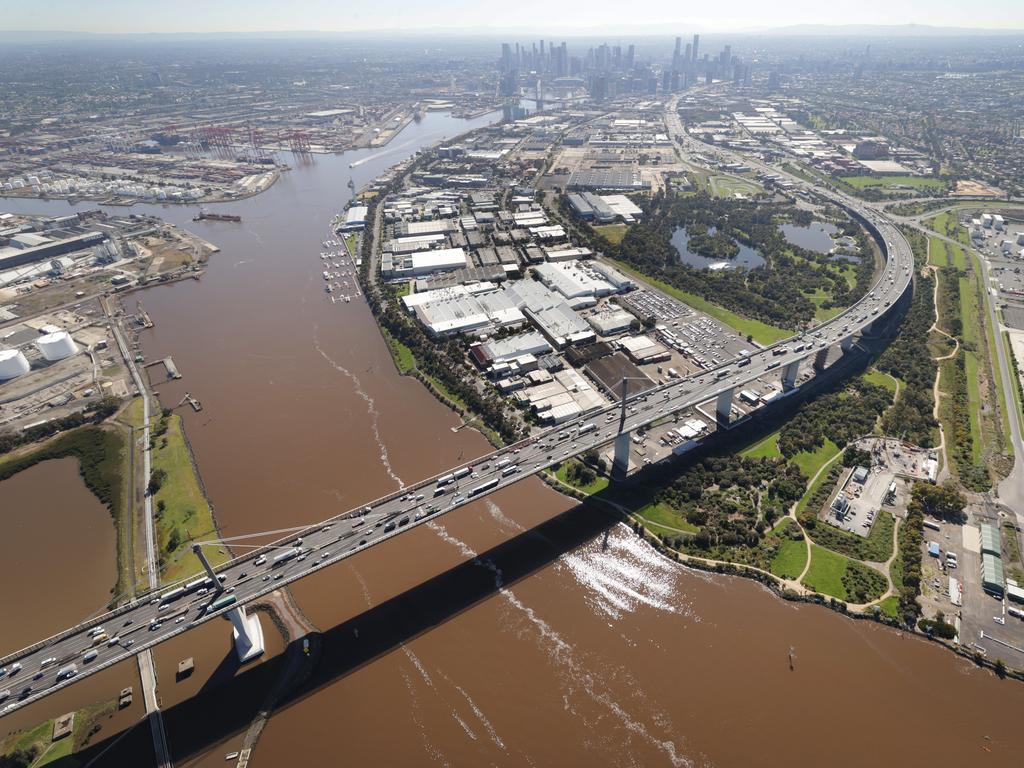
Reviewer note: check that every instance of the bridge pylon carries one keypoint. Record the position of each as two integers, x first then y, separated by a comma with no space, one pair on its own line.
247,630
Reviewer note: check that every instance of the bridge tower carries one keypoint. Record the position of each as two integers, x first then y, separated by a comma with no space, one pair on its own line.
620,462
723,407
247,630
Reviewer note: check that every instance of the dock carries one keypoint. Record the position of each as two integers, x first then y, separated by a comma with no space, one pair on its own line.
188,398
169,366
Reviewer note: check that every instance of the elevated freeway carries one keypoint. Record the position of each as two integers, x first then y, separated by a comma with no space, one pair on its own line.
59,661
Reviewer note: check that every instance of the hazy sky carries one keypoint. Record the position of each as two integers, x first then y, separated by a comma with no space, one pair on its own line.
554,17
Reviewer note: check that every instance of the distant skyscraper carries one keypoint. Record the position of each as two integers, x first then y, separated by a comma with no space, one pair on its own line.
688,56
696,47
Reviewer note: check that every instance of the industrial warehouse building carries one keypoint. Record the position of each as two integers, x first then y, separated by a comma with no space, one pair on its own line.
421,263
355,217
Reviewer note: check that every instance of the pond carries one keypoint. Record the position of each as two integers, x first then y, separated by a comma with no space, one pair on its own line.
747,258
818,236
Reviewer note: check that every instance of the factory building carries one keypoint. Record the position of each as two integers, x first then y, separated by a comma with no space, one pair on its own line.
573,279
603,209
458,309
421,263
550,313
355,218
430,227
609,322
27,254
499,351
643,349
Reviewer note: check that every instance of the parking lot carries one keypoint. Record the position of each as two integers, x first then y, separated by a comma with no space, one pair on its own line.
952,585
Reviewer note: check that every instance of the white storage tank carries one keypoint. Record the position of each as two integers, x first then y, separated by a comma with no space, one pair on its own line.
12,364
57,346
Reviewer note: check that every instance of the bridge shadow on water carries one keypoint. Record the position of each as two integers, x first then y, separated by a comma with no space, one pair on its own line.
229,700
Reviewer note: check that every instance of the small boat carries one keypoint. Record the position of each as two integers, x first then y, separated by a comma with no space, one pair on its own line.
348,299
327,288
231,756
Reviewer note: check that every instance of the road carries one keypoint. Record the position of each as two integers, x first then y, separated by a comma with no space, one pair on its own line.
152,619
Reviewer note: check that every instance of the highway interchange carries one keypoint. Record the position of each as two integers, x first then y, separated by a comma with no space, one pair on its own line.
29,674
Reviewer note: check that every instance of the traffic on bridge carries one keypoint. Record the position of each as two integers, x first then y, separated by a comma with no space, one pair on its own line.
59,661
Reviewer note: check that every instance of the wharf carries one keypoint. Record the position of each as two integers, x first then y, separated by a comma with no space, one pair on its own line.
188,398
169,366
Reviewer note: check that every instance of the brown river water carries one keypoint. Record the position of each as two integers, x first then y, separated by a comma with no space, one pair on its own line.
517,631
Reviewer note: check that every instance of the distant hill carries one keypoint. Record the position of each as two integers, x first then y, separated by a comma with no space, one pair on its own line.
886,30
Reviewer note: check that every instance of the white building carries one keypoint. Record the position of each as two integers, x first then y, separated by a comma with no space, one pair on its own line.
422,263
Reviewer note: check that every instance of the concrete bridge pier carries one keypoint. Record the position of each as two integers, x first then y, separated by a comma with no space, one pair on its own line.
620,462
821,359
248,634
723,407
846,344
789,374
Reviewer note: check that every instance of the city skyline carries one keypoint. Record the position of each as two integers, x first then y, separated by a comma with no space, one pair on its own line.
407,16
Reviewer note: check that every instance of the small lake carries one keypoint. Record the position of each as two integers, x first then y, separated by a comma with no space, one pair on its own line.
747,258
819,236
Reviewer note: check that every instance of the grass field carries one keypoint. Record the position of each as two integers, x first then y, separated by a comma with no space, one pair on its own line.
890,607
599,484
947,223
880,379
766,447
351,241
826,572
56,753
819,297
186,510
401,354
937,255
762,333
729,186
613,233
894,183
666,518
811,488
811,461
791,558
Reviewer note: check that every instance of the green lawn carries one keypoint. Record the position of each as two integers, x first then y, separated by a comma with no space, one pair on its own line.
186,509
351,241
973,404
57,752
809,493
767,448
969,310
959,256
890,607
880,379
728,186
663,516
887,183
762,333
826,572
599,484
401,354
613,233
948,223
811,461
790,560
819,297
937,255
